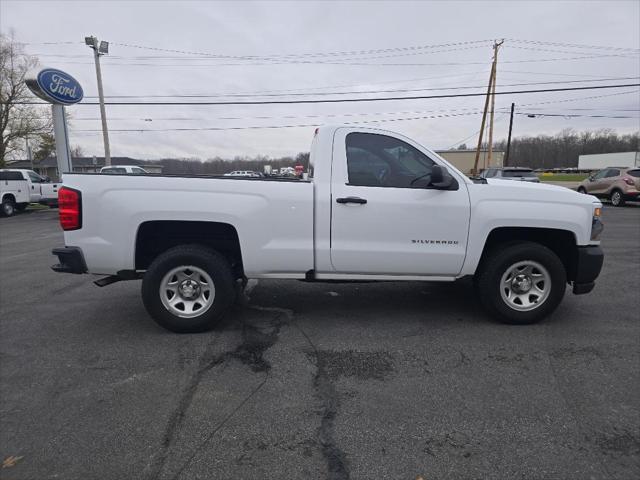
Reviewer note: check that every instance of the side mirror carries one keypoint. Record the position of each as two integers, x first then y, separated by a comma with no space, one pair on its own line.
591,177
46,180
441,179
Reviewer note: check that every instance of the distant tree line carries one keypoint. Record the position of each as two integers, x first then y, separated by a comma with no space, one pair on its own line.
542,151
562,150
219,166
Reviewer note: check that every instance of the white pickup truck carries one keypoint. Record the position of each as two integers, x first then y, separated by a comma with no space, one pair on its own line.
19,187
378,206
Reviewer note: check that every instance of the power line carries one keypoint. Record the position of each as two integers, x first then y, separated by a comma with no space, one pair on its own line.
355,52
580,98
573,45
356,100
347,63
268,59
538,49
567,115
551,73
200,95
475,133
384,120
303,55
330,115
252,127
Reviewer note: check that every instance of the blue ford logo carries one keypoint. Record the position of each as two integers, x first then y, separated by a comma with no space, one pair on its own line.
59,87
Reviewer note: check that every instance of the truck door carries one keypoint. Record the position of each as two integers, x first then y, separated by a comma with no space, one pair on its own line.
34,180
383,220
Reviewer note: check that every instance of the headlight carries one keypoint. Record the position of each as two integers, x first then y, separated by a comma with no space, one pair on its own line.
596,224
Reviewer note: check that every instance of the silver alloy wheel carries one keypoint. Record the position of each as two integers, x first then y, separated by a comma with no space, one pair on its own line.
615,198
187,291
525,285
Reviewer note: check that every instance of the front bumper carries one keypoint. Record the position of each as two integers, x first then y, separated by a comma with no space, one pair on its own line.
70,260
588,266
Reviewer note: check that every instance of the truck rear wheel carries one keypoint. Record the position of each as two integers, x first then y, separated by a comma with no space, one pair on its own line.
188,288
8,207
522,283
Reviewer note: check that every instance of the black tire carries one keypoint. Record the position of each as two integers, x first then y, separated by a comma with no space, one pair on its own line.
582,190
8,208
499,261
209,261
617,198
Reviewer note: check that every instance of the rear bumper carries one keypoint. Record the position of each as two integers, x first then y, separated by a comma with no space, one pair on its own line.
588,268
70,260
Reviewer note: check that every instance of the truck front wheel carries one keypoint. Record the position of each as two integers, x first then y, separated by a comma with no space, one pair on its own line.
188,288
522,283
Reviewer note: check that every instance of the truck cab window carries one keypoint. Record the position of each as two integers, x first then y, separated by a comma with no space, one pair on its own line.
10,176
115,170
35,178
381,161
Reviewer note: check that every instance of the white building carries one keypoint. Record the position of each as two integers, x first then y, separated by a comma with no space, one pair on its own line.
603,160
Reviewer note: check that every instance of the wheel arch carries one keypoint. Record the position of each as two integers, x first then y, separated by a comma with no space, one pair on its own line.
562,242
157,236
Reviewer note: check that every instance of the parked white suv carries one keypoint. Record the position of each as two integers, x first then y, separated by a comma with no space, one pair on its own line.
242,173
124,169
380,207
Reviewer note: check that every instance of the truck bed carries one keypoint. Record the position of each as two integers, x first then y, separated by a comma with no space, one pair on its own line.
273,217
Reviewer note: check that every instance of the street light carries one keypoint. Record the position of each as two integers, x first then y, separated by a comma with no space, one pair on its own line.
101,48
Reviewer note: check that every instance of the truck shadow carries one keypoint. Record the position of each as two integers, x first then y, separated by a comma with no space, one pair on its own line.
432,303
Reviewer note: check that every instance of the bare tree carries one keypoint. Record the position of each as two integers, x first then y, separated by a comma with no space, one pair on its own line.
77,151
17,120
563,149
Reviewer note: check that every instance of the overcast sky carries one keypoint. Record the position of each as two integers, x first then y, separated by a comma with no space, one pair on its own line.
324,47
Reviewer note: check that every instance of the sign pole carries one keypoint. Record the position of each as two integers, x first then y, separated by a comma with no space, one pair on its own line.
63,153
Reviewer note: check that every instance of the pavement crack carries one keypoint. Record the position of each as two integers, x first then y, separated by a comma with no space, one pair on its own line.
207,362
337,468
256,340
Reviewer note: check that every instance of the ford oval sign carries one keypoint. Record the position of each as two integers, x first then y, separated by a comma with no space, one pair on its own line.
55,86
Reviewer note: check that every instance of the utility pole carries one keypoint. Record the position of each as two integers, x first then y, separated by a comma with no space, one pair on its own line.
490,94
101,48
474,171
506,158
496,46
29,153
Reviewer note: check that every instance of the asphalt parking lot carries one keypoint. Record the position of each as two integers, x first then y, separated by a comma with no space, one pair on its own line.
314,381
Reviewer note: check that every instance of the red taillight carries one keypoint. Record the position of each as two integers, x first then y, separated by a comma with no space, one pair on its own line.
629,181
70,208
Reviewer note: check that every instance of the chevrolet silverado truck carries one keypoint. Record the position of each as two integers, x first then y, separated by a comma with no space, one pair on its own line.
377,207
